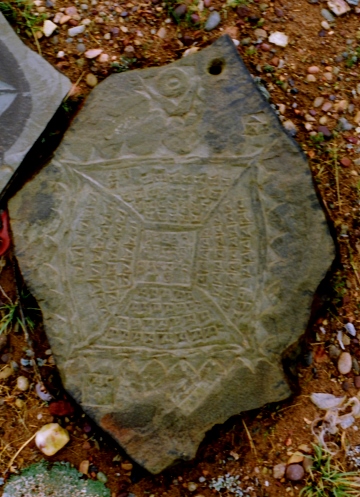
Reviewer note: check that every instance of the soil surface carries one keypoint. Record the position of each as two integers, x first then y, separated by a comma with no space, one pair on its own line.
313,85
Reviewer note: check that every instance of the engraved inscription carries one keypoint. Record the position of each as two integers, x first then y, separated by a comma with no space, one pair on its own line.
177,255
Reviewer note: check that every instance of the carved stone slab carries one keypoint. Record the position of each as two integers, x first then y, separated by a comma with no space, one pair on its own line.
31,90
174,245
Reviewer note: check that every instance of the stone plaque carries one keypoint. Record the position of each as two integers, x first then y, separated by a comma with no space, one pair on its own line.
31,90
174,245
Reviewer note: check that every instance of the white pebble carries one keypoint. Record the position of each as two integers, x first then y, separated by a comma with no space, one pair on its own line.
22,383
350,328
51,438
60,54
92,53
279,39
76,30
344,363
48,27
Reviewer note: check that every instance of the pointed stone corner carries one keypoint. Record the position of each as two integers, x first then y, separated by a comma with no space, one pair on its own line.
174,245
31,91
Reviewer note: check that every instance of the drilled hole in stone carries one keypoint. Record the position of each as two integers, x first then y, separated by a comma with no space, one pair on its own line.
216,67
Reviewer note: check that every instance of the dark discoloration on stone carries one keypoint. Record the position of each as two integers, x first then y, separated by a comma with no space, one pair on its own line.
178,257
31,90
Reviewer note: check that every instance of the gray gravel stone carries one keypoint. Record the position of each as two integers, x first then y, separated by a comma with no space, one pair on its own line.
213,21
327,15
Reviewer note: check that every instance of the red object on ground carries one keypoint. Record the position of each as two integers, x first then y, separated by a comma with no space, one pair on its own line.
4,233
61,408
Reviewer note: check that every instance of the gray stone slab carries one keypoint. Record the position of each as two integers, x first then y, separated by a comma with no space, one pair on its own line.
31,90
174,245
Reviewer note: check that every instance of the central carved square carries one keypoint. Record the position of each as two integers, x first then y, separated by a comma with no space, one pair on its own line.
166,257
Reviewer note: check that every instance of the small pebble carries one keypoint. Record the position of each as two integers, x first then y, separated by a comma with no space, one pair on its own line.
310,78
355,365
19,403
48,28
313,69
318,101
327,106
162,33
104,57
212,21
22,383
344,124
307,463
327,15
71,11
101,477
92,53
42,392
91,79
180,11
350,328
325,131
290,127
6,372
295,472
279,471
192,486
51,438
279,39
357,381
338,7
76,30
84,467
80,47
344,363
346,162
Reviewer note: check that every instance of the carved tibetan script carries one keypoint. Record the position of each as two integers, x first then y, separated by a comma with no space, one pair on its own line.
174,245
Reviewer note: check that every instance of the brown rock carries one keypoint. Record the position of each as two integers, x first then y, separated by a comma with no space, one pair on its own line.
84,467
3,341
233,32
346,162
357,381
243,11
297,457
279,471
307,463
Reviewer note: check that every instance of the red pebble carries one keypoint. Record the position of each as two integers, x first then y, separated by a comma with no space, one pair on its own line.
345,161
4,233
61,408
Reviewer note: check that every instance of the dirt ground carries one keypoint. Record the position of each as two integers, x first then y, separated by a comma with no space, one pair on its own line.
144,33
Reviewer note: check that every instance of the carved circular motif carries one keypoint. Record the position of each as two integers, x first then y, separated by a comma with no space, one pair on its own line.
172,82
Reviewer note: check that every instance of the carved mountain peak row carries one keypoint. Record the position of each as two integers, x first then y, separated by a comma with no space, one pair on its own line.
173,244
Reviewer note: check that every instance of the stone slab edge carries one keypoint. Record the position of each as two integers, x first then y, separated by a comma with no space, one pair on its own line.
39,74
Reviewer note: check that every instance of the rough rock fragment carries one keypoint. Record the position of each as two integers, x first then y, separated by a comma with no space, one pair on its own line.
173,244
31,90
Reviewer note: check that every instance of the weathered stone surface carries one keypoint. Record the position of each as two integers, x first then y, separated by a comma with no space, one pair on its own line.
174,245
31,90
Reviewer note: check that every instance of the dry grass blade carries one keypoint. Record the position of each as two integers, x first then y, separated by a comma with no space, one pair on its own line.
18,452
251,442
